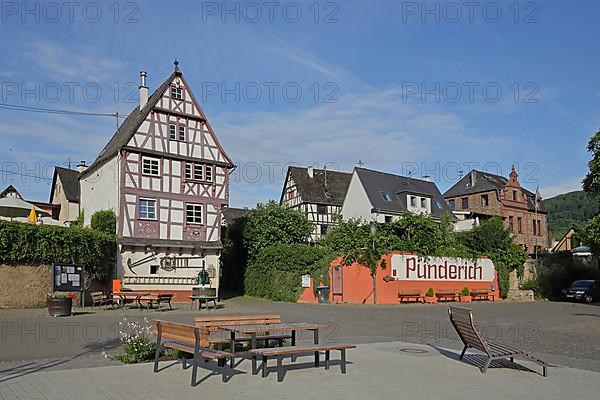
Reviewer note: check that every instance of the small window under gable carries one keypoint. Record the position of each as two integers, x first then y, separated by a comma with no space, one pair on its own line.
198,172
176,93
385,196
150,166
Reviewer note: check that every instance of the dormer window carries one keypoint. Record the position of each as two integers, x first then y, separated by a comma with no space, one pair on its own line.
385,196
176,93
423,202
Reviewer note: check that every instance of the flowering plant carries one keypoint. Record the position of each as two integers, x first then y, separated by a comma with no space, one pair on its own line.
135,337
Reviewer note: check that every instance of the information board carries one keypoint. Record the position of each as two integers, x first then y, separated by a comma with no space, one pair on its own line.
67,278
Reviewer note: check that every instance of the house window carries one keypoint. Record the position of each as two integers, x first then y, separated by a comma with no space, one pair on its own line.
147,209
514,195
181,133
465,203
324,229
510,224
176,93
150,166
198,172
388,219
535,227
385,196
413,201
423,202
208,173
193,213
519,225
172,131
321,209
485,200
451,204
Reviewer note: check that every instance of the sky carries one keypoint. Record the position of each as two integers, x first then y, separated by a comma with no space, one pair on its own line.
413,88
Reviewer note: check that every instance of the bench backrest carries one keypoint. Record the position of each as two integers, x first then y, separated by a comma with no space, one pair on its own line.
480,291
464,322
165,296
175,331
211,324
410,292
447,291
97,296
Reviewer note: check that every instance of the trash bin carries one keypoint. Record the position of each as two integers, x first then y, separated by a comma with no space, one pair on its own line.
323,294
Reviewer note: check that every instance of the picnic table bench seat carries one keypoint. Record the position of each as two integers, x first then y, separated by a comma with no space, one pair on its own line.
482,294
411,294
100,299
447,295
158,299
464,322
280,352
186,338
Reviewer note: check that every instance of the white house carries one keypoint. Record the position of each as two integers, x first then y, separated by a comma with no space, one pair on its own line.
383,197
65,192
166,176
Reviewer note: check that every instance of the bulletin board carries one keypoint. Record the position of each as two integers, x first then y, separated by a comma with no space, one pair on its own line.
67,278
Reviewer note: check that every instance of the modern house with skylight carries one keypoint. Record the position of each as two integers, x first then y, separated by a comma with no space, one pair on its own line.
383,197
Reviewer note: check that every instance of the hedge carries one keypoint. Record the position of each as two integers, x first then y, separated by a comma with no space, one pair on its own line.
28,244
276,272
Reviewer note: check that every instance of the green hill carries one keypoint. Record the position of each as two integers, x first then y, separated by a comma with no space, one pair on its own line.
566,210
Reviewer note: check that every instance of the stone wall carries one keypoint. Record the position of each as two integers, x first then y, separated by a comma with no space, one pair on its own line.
24,286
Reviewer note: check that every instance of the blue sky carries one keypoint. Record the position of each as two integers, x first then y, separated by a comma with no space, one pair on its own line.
431,88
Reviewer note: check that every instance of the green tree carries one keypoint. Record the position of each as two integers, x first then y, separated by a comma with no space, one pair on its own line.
272,223
591,182
104,221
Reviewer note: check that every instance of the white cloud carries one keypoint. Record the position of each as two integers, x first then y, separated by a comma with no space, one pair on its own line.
570,185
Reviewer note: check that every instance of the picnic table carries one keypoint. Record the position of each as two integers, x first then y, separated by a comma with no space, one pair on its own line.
253,329
131,296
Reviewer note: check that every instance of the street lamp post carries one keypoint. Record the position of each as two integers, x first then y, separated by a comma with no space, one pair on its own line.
373,230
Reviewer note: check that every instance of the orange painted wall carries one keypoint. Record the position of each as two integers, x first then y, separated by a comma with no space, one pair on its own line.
357,285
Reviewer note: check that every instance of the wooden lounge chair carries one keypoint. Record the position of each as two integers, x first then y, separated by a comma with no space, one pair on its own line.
464,322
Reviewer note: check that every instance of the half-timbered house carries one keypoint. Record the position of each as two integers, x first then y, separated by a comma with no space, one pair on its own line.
166,176
318,193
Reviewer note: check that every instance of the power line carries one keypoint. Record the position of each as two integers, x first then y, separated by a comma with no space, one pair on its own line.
15,107
26,175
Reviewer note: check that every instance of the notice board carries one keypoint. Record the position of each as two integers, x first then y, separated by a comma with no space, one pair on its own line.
67,278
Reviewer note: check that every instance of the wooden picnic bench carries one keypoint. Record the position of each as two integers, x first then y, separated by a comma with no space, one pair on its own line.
464,322
447,295
99,299
186,338
157,299
482,294
411,294
293,351
217,336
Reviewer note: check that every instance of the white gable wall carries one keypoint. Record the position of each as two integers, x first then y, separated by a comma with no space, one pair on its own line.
99,190
357,204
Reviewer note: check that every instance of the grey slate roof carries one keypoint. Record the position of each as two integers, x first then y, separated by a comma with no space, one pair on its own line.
70,183
130,125
485,182
325,187
397,186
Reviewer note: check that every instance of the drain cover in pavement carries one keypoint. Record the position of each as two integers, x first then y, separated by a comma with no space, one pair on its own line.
413,351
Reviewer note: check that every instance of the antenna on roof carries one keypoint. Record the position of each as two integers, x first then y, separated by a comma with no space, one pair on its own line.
176,63
460,174
360,163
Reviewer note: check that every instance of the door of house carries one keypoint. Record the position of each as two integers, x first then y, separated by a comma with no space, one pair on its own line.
336,281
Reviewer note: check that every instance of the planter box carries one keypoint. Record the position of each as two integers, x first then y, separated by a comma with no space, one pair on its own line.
431,300
465,299
60,307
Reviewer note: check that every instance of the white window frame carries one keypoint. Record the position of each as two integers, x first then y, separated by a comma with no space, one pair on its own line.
147,216
208,173
176,93
172,131
195,213
181,133
151,167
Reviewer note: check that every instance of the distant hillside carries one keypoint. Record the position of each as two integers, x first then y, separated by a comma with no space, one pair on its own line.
569,209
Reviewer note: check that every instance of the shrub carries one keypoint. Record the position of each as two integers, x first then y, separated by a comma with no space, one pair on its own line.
465,291
104,221
276,272
28,244
430,292
136,341
534,286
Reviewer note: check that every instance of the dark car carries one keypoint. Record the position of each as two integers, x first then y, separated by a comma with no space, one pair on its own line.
584,290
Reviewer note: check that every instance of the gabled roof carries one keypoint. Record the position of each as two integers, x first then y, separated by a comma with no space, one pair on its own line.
10,189
325,187
129,126
69,179
485,182
397,186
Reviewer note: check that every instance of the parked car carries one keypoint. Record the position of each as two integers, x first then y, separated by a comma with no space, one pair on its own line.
583,290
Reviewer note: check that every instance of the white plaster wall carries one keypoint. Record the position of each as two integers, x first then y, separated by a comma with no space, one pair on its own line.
356,204
100,190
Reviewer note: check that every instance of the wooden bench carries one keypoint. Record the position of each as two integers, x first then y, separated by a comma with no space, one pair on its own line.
293,351
482,294
215,336
447,295
99,299
411,294
464,322
186,338
157,299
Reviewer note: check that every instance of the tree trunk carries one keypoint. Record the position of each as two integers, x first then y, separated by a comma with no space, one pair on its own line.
374,287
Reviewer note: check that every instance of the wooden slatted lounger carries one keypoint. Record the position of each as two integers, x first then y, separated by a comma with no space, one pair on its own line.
464,322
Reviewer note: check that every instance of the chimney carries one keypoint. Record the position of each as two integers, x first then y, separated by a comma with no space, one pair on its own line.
473,178
311,172
427,178
81,166
143,89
